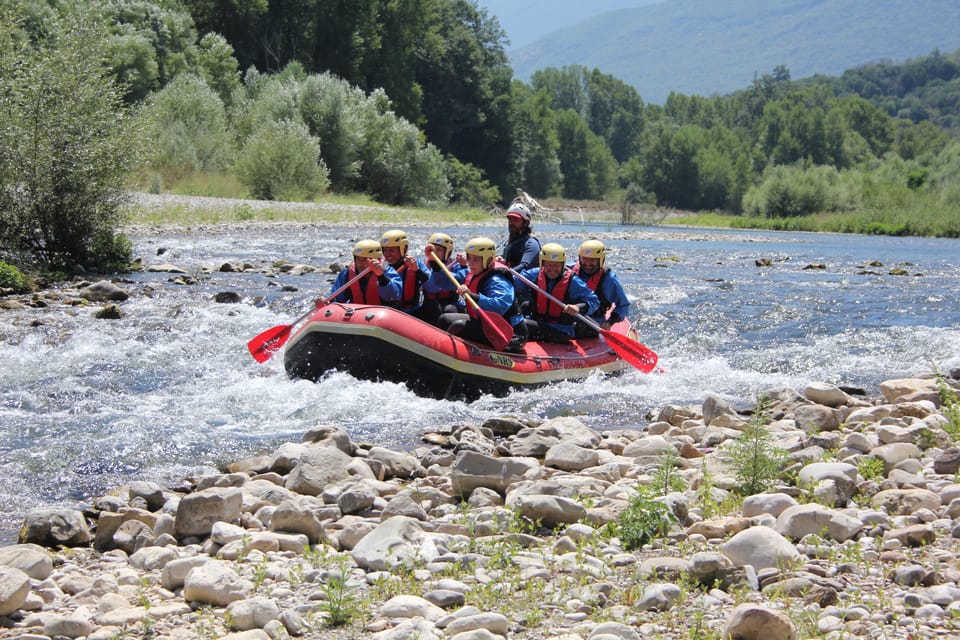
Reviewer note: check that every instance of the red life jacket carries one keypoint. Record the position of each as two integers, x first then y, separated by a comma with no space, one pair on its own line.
443,296
409,285
594,283
548,309
357,293
475,280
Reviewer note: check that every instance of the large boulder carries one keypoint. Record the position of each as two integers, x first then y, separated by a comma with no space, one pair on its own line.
55,526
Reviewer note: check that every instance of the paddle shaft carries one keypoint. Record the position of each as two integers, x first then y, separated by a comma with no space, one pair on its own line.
632,351
265,344
454,280
582,318
495,327
346,285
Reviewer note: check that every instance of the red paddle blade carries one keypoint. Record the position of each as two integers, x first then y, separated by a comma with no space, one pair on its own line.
496,329
264,345
632,351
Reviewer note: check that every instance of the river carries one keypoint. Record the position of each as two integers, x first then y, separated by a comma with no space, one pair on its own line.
170,390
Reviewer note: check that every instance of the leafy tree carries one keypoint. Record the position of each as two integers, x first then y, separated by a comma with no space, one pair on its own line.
329,107
396,166
466,79
66,146
281,161
572,133
611,108
670,167
468,186
189,124
264,99
218,66
588,167
536,143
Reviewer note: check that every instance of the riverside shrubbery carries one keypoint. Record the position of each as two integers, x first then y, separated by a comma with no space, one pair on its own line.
12,279
790,191
67,144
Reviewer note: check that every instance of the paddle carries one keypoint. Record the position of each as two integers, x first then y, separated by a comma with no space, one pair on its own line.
495,327
632,351
265,344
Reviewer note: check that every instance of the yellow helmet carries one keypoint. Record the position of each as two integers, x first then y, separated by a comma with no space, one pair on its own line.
593,249
395,238
444,241
367,249
552,252
484,248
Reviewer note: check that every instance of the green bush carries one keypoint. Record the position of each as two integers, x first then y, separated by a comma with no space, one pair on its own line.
12,278
468,186
111,252
67,145
791,191
282,161
643,520
397,166
189,126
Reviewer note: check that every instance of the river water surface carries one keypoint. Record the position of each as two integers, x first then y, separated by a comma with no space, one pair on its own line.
170,390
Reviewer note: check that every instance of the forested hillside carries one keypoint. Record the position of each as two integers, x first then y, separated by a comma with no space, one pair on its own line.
704,47
415,103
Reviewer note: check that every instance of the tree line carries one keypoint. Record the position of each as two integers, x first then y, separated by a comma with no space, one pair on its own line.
413,101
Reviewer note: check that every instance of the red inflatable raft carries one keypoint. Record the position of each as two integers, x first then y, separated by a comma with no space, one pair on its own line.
381,343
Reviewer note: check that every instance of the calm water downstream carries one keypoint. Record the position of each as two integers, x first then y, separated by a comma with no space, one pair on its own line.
170,390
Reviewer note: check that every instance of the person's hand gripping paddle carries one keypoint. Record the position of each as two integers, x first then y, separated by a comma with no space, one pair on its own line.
630,350
496,329
265,344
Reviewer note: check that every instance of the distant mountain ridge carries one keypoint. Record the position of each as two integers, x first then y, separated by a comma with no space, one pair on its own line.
528,20
702,47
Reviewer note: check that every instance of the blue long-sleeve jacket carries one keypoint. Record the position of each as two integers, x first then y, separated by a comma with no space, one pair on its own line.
522,252
577,293
496,295
439,285
388,285
613,298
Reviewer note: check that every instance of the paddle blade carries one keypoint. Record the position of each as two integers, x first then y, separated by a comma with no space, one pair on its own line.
264,345
496,329
638,355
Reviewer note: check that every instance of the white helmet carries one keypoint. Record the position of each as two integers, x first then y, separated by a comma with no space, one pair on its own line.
519,210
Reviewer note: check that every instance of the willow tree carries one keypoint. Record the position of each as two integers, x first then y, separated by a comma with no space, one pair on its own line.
67,145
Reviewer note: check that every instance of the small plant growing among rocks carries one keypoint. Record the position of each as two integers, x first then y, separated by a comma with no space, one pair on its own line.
340,606
643,520
666,479
756,462
950,407
870,468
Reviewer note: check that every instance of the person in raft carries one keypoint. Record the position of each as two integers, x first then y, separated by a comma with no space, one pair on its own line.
379,286
550,322
413,272
439,293
491,286
521,250
614,304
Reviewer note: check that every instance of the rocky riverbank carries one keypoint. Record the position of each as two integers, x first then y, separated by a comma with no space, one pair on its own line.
525,530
